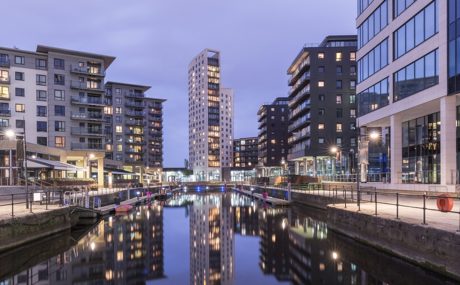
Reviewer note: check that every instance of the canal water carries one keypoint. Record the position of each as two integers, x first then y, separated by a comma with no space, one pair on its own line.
220,238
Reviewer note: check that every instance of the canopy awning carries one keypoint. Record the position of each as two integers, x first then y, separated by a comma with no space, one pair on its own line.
51,164
118,171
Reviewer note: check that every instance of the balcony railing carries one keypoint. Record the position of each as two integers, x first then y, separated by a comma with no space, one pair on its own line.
87,70
131,132
134,104
134,94
87,116
86,86
88,100
135,113
4,62
302,93
4,80
87,146
87,131
134,122
5,113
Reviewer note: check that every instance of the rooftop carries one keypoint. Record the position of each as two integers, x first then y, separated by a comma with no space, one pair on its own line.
106,58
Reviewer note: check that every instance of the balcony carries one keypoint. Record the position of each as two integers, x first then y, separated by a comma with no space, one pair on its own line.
134,113
5,96
88,86
155,133
87,146
156,118
134,123
134,151
5,113
134,94
90,116
133,133
134,104
94,101
295,75
134,161
300,83
87,131
4,80
302,93
91,71
299,123
5,62
134,142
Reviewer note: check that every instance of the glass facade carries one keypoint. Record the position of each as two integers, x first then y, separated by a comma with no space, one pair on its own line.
417,30
454,45
421,150
362,5
373,61
400,6
417,76
375,97
373,24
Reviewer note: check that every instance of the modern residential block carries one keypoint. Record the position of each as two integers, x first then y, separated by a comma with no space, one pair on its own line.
273,137
322,104
210,117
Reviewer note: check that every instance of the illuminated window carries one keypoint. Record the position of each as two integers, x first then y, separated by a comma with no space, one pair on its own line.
20,108
353,56
320,83
321,55
118,129
321,126
338,56
338,127
59,141
119,147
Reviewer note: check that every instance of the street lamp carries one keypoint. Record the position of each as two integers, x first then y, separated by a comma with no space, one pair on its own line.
373,136
334,150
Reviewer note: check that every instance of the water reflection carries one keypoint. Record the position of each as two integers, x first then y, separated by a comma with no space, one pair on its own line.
293,246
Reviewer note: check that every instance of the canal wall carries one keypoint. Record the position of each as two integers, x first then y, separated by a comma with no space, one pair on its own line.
21,230
430,248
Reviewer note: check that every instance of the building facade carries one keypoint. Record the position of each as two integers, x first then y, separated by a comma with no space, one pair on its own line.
210,118
244,162
58,98
322,104
409,95
273,137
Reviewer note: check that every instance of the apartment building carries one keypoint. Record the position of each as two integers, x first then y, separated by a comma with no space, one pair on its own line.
273,137
210,117
58,98
244,162
409,96
322,104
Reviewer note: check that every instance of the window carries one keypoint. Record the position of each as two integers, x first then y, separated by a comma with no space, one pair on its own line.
338,84
59,141
372,26
373,98
59,95
59,79
41,79
338,127
373,61
4,123
42,126
40,63
118,110
118,129
352,99
117,91
400,6
321,112
338,141
321,83
20,124
338,99
4,92
320,140
352,126
320,126
20,108
42,141
362,5
353,70
417,76
41,111
339,113
338,56
321,55
352,113
338,70
59,63
59,126
321,69
321,97
352,84
19,60
353,56
59,110
19,76
41,95
417,30
20,92
119,147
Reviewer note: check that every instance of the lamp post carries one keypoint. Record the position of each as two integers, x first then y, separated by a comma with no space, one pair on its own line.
374,136
11,135
334,150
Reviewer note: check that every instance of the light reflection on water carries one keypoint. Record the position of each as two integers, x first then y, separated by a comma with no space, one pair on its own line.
220,238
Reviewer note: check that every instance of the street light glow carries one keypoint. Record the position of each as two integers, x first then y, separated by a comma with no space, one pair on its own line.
374,135
334,149
91,156
10,134
335,255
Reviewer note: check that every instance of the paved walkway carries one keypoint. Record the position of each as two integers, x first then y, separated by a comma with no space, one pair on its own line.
21,211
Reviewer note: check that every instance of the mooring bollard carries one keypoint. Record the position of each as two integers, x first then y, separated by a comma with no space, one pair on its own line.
375,198
345,196
424,209
12,205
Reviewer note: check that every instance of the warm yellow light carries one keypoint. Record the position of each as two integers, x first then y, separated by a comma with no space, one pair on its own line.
374,135
10,134
334,149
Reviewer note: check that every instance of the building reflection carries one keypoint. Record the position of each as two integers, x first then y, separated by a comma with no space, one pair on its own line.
211,240
124,249
246,220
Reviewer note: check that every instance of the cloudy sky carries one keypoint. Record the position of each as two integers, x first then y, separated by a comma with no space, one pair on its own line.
154,42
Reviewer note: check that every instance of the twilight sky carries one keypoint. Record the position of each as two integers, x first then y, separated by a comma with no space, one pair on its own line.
154,41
